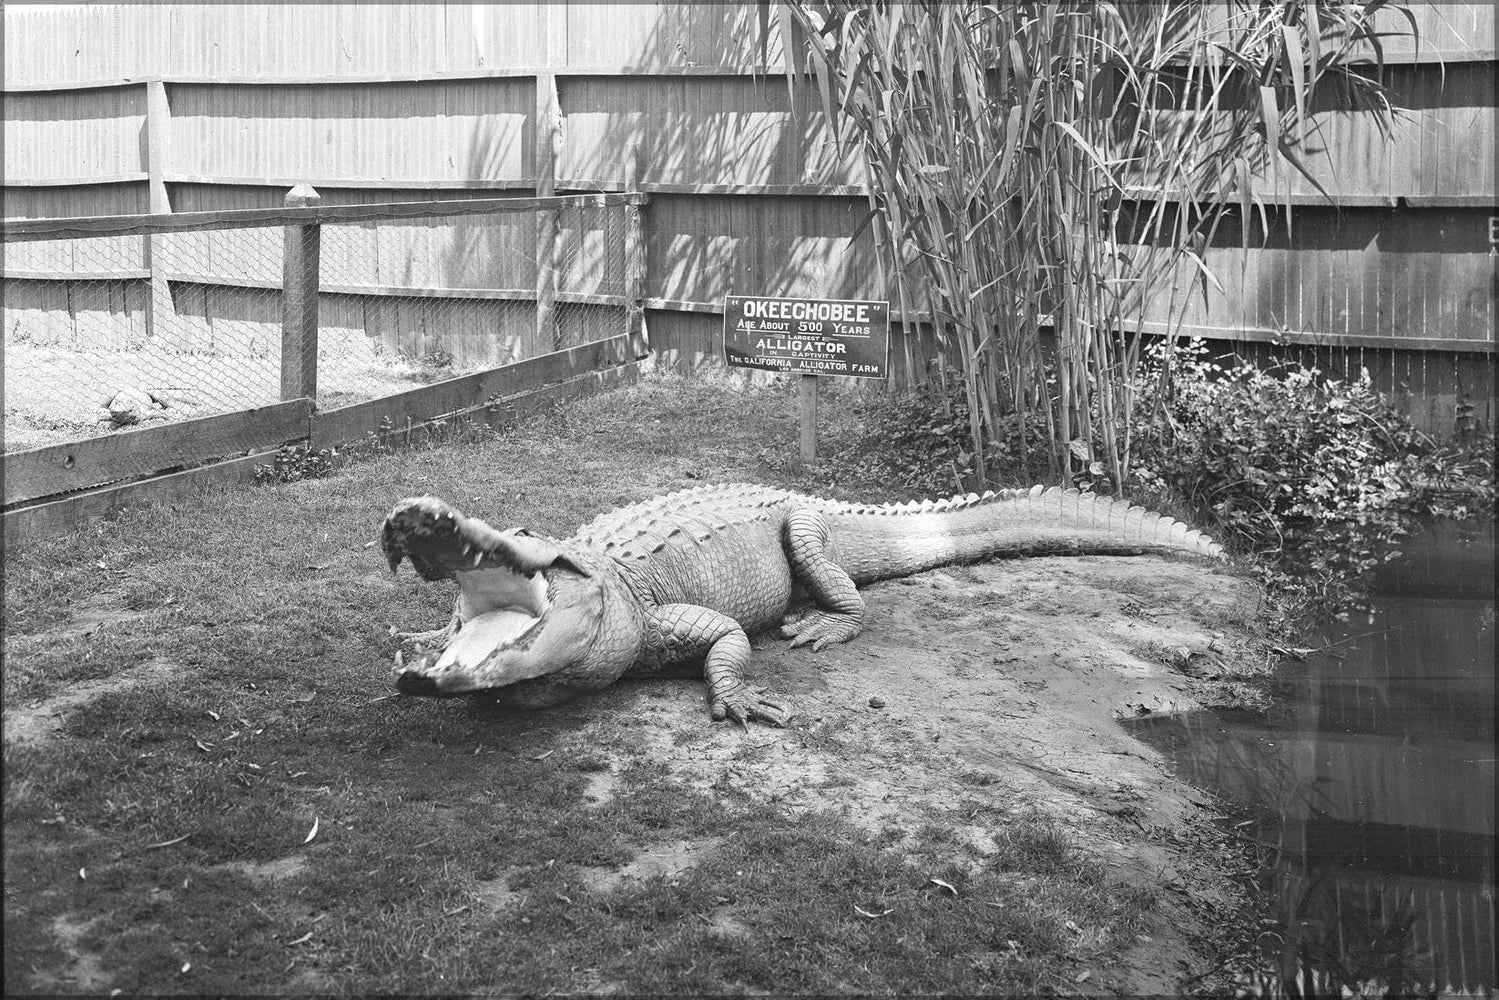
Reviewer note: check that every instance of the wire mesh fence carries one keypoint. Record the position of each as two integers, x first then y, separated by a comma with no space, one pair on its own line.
104,333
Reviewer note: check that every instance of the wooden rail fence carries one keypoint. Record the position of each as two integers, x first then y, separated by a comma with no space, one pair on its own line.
52,488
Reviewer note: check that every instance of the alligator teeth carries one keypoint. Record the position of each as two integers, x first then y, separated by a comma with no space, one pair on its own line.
478,558
400,659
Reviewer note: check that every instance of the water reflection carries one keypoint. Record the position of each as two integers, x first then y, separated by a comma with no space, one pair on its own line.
1370,786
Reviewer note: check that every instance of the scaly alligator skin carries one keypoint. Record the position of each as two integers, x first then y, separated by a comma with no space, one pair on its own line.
685,579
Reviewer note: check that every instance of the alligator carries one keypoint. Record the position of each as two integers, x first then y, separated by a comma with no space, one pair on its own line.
682,581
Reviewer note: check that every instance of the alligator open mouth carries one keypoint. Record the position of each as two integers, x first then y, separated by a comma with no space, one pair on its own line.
503,610
515,617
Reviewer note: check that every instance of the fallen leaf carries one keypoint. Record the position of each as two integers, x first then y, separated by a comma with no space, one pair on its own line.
186,966
313,832
166,843
946,885
205,747
454,913
213,715
301,940
1083,977
542,756
865,913
1072,926
83,874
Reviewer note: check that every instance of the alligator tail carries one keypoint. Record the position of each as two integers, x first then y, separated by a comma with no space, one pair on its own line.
878,542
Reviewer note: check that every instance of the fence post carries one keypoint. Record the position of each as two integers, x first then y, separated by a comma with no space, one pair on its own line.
299,301
635,328
548,144
158,152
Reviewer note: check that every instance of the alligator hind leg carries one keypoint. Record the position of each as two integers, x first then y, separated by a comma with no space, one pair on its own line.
838,614
677,634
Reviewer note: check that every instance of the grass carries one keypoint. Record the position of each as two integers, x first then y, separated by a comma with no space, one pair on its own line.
254,815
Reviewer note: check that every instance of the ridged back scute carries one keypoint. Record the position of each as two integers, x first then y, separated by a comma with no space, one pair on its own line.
690,516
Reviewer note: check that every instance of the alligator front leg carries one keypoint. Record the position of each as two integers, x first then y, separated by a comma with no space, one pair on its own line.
677,634
839,612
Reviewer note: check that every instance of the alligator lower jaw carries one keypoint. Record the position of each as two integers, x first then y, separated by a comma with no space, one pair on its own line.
487,652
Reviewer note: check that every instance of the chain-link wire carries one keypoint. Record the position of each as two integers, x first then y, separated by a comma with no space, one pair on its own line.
105,333
415,300
124,331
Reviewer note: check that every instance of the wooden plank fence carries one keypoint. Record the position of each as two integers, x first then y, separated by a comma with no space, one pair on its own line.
748,193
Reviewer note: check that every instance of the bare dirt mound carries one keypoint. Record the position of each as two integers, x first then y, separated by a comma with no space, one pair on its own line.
1001,683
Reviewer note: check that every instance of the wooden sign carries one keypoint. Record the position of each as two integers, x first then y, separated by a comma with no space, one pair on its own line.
846,337
807,337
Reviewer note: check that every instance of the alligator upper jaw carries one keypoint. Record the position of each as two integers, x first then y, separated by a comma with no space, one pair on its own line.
441,542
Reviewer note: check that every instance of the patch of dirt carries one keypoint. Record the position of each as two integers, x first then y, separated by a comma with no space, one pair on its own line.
269,871
999,686
40,721
662,859
599,788
82,973
495,894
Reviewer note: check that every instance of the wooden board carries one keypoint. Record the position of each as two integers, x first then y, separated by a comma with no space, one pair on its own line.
696,131
26,525
458,130
76,465
31,229
73,134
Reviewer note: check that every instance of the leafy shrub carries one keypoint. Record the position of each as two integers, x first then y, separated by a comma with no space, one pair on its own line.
1319,475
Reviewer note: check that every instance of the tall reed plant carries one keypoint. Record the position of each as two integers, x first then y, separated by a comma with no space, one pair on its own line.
1058,166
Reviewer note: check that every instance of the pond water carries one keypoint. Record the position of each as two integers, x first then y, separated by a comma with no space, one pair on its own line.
1369,784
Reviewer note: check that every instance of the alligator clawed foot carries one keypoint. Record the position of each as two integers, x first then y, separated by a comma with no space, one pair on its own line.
820,628
742,706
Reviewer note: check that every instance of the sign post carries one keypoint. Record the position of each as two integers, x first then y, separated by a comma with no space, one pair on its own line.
811,337
809,417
